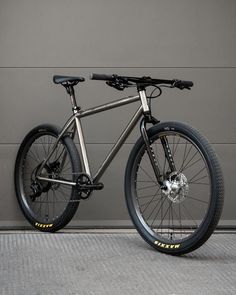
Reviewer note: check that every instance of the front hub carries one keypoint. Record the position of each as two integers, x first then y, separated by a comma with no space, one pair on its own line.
176,187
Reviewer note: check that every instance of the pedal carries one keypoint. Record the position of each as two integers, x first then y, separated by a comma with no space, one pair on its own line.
97,186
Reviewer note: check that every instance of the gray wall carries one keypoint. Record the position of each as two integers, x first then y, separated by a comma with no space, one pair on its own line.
185,39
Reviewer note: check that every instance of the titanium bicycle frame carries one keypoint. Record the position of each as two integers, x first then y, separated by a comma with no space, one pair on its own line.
76,120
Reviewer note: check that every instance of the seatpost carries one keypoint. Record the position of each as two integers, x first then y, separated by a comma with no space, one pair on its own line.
71,92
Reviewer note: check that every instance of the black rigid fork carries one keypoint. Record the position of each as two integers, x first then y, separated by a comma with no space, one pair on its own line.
151,154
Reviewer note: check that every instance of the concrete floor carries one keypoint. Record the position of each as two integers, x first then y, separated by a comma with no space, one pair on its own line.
111,263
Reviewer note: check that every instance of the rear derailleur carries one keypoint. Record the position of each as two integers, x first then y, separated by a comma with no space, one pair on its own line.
37,187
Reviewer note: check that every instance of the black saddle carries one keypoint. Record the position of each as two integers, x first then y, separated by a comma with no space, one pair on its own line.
67,80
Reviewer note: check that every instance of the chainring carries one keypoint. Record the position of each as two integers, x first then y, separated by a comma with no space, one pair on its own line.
83,180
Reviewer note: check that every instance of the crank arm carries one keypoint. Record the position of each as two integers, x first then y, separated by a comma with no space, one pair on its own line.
97,186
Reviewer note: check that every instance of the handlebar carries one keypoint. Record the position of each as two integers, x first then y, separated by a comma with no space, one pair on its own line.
121,82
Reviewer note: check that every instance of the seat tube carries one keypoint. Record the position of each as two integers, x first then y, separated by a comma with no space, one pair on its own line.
82,146
75,109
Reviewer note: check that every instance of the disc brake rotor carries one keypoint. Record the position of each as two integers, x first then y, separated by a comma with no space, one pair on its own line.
176,187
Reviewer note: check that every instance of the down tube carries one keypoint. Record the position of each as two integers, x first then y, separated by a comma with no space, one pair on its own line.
118,144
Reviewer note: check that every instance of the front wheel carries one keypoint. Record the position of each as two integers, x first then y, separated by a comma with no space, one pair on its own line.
180,216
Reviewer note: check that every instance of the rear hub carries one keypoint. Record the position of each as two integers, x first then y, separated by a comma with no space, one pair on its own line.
38,187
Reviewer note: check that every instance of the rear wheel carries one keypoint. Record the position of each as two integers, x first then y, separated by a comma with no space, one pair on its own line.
47,206
180,216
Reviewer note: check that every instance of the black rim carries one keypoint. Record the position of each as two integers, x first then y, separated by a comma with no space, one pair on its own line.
174,217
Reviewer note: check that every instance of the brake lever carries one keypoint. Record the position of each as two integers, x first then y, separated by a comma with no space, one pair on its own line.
114,84
119,84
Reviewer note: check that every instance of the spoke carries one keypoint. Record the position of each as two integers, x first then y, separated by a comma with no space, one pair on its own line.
48,144
64,186
147,196
47,207
35,147
199,179
56,151
172,217
142,181
180,219
150,195
43,143
141,205
153,209
186,167
176,147
169,221
50,141
200,183
151,200
45,146
189,214
27,178
185,148
53,205
197,173
183,168
163,201
165,214
63,194
33,157
64,170
196,199
148,174
145,187
40,206
186,156
67,162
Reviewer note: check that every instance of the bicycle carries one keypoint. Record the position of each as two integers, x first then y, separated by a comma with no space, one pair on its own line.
173,181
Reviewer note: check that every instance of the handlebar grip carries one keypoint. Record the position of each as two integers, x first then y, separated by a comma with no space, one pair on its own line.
181,84
187,84
102,77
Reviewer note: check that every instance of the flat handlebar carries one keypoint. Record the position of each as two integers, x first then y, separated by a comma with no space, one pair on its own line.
145,81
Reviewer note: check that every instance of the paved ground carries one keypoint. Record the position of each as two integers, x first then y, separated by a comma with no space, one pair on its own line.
111,263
